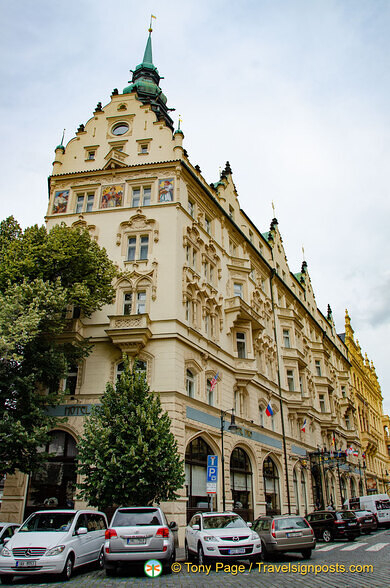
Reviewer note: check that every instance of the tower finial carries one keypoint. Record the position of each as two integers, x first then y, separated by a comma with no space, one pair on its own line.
62,139
150,26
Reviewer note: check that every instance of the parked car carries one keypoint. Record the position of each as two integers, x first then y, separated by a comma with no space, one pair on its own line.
54,542
220,535
280,534
7,530
334,524
367,521
136,534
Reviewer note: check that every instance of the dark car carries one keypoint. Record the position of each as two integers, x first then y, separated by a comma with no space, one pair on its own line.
367,521
334,524
281,534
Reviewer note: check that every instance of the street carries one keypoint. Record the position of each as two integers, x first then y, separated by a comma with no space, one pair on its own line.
336,559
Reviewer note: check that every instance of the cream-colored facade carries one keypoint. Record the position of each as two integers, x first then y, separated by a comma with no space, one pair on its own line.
202,292
372,423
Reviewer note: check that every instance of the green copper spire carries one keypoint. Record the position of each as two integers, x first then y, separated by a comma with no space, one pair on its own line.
146,83
148,58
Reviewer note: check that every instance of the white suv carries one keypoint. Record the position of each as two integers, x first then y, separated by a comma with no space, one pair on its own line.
54,542
221,535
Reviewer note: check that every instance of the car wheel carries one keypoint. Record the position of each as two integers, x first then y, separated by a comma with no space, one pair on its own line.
188,554
306,553
6,579
168,566
100,561
327,535
68,569
201,556
264,552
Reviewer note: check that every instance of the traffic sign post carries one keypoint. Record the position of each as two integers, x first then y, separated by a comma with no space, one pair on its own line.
212,477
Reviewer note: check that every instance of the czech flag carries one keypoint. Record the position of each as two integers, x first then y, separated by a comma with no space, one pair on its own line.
303,428
268,410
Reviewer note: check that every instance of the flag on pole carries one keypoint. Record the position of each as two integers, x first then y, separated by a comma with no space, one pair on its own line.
303,428
333,440
213,381
364,455
355,453
268,410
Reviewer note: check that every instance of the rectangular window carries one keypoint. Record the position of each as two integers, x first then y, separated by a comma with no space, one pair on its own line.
147,196
238,290
210,393
301,385
318,367
343,392
143,251
188,310
80,203
70,382
286,338
127,303
241,345
194,259
91,155
205,269
191,208
207,225
206,323
131,248
211,274
136,197
144,148
90,199
232,248
141,302
322,403
290,380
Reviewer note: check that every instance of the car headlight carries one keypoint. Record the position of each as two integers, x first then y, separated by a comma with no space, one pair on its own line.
254,536
55,550
210,538
5,552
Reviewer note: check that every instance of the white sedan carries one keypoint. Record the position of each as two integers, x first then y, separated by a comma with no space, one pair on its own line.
221,535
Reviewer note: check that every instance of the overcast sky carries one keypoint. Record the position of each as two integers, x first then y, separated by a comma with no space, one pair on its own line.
295,94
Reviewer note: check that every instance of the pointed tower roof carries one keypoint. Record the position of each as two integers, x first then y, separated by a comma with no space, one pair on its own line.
146,82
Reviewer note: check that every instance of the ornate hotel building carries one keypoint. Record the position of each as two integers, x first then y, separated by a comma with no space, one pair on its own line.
201,291
372,423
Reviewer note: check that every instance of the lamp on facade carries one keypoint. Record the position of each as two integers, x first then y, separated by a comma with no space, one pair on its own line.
232,428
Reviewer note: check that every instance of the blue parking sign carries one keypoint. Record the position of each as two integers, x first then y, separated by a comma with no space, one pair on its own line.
212,474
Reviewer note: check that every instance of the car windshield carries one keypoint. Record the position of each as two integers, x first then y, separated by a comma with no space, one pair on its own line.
293,523
128,517
223,522
346,514
39,522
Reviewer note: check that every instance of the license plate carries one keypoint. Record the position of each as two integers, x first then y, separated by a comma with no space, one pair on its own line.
352,524
136,541
298,534
237,551
26,563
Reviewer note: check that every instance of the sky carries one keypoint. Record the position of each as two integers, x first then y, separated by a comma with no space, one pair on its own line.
294,93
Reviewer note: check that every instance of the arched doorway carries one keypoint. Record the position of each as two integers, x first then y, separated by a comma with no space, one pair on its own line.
241,483
271,487
196,476
54,484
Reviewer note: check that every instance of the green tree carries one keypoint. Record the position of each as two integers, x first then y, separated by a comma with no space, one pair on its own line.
128,455
42,274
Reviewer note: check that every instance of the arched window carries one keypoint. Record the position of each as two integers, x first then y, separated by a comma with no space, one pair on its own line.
196,476
190,384
271,487
54,484
241,483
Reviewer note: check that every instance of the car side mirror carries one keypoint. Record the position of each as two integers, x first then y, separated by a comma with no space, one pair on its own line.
249,524
172,525
195,527
82,531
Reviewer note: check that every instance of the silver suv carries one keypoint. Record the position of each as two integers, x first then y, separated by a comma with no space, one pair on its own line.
137,534
54,542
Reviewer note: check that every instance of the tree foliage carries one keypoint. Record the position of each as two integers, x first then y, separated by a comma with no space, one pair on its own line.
128,455
42,274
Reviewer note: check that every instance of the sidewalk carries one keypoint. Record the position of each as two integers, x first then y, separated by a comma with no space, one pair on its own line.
180,554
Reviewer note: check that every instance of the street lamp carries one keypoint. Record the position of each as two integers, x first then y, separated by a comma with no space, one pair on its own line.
232,428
